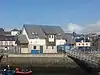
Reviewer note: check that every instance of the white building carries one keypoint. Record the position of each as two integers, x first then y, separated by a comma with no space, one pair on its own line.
14,32
7,42
43,38
22,44
82,42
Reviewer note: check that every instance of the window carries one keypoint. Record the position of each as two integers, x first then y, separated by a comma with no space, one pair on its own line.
6,43
46,47
59,36
1,43
52,47
35,35
10,43
52,36
86,44
34,47
67,47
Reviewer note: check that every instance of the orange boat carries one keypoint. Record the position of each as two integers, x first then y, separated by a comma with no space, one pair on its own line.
23,71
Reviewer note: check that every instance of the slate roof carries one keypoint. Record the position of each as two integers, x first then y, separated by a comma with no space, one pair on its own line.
43,30
22,39
60,31
1,30
15,30
48,29
7,33
7,38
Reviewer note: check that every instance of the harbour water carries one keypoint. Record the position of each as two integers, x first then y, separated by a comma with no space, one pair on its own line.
60,71
57,71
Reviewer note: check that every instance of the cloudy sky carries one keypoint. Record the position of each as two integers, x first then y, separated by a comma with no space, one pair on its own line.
94,27
71,15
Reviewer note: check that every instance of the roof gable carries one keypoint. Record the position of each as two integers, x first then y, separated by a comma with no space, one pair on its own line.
34,29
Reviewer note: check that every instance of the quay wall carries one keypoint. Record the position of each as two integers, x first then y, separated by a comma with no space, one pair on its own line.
39,60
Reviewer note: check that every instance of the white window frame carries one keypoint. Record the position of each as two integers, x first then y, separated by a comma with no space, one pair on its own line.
10,42
35,35
6,42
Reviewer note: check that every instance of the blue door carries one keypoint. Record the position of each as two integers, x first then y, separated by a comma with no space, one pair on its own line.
35,51
41,49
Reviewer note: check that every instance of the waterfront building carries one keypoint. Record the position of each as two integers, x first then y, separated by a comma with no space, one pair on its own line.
43,37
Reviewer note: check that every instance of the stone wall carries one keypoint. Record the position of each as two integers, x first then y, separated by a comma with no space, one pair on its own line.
40,61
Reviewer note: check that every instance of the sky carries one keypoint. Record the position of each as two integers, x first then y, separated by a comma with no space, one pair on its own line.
71,15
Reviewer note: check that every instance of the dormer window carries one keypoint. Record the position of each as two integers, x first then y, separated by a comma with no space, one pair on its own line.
35,35
51,36
59,36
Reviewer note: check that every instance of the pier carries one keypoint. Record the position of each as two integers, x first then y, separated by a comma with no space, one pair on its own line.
39,60
71,59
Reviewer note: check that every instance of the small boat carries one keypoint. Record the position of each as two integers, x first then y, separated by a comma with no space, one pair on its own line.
2,72
23,71
6,70
11,72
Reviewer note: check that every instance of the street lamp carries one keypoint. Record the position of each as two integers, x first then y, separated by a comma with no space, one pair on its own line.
84,41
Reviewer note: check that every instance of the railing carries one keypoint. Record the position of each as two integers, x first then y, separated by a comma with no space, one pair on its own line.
12,49
83,56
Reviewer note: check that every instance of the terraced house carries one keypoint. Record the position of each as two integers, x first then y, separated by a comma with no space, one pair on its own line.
7,40
43,38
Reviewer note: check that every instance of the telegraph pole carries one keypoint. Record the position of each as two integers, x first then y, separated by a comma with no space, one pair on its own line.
74,34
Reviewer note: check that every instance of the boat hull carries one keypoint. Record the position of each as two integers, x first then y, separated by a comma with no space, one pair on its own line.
23,73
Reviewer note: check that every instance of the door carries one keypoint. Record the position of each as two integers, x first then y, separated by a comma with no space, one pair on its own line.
41,49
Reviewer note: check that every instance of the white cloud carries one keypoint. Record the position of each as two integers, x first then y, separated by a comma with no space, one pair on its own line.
74,27
84,29
92,27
